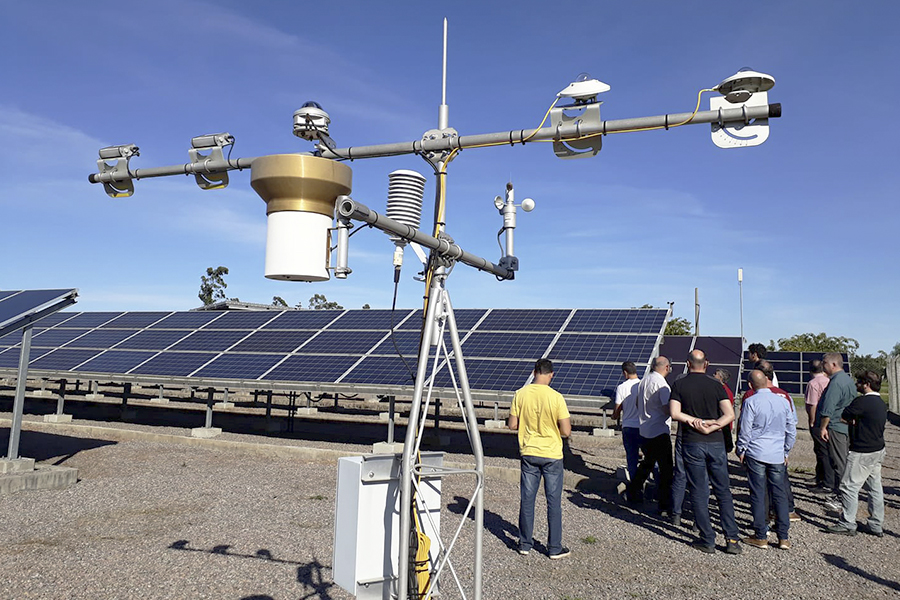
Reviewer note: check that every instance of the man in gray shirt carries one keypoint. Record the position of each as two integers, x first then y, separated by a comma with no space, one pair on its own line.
838,395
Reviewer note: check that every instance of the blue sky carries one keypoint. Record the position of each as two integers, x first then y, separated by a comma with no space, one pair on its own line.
811,215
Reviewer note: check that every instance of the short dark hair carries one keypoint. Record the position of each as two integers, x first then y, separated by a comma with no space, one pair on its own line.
758,349
815,366
543,366
766,367
870,377
629,367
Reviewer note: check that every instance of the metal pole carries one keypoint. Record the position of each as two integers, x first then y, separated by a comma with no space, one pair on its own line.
696,312
406,463
60,403
477,449
15,429
390,434
441,144
741,292
209,408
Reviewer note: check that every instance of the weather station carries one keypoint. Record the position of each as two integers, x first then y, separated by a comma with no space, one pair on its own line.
388,542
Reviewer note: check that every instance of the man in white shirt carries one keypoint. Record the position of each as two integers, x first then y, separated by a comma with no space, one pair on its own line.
655,427
627,408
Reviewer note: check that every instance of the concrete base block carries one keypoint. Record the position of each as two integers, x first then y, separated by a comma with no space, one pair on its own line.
43,477
372,400
598,432
57,418
223,405
19,465
620,489
385,416
386,448
307,411
42,393
205,432
159,400
94,397
492,424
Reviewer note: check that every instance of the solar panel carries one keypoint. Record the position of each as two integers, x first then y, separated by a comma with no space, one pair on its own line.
187,320
311,368
52,338
618,320
792,368
273,341
7,293
602,347
210,341
506,345
239,366
115,361
57,318
303,319
14,337
466,318
370,319
579,379
342,342
91,319
492,375
407,342
62,359
150,339
383,370
519,319
243,319
136,320
174,364
101,338
17,303
9,358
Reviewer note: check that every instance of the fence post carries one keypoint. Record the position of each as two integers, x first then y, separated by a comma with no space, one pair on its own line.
893,375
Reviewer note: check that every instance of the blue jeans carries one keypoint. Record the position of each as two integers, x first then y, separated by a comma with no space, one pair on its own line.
706,463
631,439
761,476
551,469
679,480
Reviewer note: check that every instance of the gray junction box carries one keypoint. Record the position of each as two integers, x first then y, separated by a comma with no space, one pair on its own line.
367,521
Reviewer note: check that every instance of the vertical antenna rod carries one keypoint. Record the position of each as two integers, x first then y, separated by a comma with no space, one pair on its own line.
444,111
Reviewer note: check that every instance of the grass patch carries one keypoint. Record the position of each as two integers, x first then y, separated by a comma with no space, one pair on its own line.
317,497
589,540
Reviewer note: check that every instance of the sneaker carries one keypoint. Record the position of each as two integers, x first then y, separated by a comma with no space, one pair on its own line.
756,542
793,517
820,490
834,504
705,548
784,544
564,552
675,520
524,552
867,529
840,530
733,547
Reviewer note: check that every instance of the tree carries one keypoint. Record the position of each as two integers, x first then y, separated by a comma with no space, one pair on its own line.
279,301
212,285
896,350
678,326
366,306
818,342
320,302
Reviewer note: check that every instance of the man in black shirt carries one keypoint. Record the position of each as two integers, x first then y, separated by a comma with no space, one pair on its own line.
700,405
866,416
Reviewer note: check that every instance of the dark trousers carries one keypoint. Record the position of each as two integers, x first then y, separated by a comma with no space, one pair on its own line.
823,462
657,451
838,449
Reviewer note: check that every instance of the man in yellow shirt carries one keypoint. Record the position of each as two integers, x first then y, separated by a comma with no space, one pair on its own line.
540,415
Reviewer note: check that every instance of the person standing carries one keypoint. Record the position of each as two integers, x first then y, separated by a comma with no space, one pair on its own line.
832,431
816,385
757,352
541,417
656,429
701,407
767,433
627,408
866,415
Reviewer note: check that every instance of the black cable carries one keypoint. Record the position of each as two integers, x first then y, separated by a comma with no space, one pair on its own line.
412,376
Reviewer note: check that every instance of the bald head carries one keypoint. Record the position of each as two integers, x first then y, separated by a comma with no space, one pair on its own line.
661,365
758,380
697,361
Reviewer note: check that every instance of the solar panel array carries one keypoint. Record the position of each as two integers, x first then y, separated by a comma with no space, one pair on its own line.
18,307
792,368
349,348
722,353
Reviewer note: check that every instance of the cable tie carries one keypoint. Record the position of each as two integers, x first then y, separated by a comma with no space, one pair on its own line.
666,121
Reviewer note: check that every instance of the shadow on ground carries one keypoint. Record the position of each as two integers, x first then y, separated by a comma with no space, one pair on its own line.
47,446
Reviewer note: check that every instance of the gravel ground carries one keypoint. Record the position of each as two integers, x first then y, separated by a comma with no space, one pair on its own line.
165,520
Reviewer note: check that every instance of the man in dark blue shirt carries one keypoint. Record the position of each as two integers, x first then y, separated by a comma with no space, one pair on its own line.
866,417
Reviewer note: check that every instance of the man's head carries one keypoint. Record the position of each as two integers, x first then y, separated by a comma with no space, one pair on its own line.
723,376
629,370
758,380
767,370
697,362
832,362
661,365
868,381
815,367
543,366
756,352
